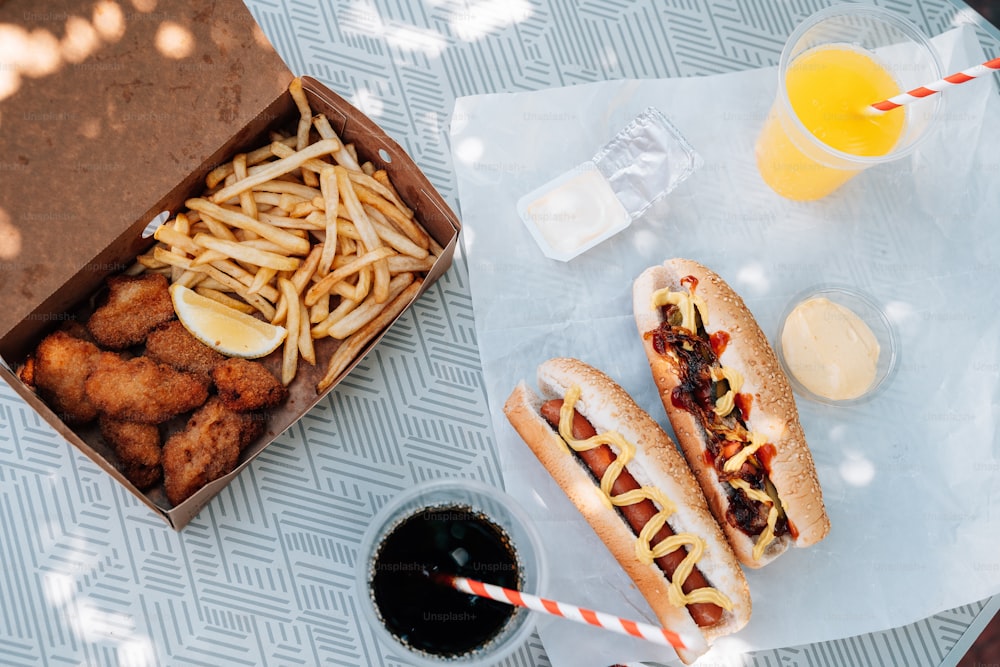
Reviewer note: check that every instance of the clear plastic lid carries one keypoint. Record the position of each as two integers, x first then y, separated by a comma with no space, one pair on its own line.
600,197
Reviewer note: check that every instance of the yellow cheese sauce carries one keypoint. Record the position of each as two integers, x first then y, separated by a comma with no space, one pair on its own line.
829,349
645,553
690,306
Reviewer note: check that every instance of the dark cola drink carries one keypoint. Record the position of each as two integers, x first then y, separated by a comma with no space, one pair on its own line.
430,617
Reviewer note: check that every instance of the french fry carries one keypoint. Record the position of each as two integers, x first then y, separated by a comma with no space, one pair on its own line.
305,124
350,348
326,283
237,280
302,210
397,240
285,239
277,168
331,201
314,165
368,234
287,187
305,272
290,354
301,101
225,299
306,348
181,224
214,227
356,292
403,264
382,177
361,288
379,187
346,305
169,235
308,223
343,156
248,253
263,244
187,278
406,225
261,279
220,173
168,258
319,310
207,256
370,308
247,202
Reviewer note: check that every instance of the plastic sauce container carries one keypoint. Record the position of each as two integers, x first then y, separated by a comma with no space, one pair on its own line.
600,197
836,345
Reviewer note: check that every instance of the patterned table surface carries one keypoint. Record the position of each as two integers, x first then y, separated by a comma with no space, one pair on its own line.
264,575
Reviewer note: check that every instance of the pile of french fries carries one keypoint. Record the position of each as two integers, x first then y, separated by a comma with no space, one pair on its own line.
301,233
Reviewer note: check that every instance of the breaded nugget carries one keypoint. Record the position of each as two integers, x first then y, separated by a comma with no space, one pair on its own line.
58,370
77,330
142,390
247,385
134,305
207,448
170,343
137,447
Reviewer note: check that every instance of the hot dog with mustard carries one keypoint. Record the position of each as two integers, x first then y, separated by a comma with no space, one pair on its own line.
625,475
731,408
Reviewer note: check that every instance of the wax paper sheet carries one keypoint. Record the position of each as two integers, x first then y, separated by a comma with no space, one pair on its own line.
910,479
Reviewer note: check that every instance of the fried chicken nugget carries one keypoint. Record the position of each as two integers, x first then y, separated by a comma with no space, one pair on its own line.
208,448
247,385
142,390
134,305
58,370
138,449
170,343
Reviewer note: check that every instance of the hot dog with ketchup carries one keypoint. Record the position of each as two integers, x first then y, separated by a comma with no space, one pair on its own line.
731,409
625,475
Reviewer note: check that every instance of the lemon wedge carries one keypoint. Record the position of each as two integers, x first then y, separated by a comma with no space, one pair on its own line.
222,328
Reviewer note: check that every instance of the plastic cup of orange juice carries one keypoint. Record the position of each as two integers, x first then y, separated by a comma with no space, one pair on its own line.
820,132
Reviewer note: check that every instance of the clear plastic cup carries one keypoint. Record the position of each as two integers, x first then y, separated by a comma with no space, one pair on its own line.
822,55
458,498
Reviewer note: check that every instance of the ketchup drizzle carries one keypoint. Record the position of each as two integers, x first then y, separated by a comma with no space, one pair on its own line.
696,356
743,403
719,340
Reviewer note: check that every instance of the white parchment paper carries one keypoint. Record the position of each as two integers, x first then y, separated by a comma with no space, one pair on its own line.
910,479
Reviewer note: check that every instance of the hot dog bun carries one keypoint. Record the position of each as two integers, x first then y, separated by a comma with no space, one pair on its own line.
772,410
656,463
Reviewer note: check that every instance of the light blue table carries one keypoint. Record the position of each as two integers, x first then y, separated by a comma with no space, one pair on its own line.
264,575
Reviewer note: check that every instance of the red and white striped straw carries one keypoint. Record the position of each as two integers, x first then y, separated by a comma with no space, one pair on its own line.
937,86
571,612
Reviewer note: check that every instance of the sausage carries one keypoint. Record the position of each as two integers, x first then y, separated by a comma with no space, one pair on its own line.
638,514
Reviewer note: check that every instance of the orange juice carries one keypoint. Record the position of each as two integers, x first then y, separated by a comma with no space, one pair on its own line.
828,88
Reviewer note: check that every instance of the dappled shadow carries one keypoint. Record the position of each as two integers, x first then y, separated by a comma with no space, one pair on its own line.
105,107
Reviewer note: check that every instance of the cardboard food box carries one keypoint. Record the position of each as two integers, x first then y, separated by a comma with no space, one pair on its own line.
111,116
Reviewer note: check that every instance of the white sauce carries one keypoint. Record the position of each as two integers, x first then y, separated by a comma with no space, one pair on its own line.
576,212
829,349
